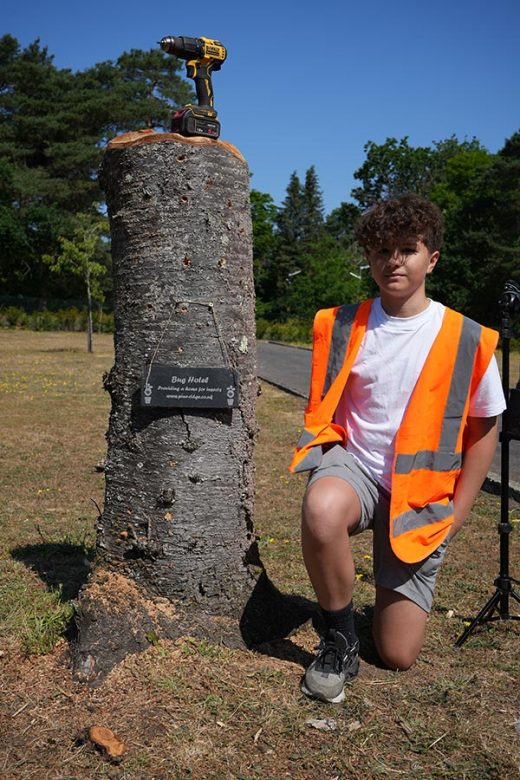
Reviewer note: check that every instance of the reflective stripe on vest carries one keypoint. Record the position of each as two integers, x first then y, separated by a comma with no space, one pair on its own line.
339,342
423,516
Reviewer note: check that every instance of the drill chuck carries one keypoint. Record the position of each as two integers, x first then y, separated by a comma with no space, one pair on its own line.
178,45
189,49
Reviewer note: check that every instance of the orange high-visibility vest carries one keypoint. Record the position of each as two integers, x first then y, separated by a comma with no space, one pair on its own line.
430,439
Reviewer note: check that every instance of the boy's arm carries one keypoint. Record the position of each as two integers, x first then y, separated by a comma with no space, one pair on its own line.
480,445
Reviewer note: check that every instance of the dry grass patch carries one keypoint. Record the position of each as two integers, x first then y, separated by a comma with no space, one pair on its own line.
54,414
191,709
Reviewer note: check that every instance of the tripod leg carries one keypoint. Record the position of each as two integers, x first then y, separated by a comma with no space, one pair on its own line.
486,611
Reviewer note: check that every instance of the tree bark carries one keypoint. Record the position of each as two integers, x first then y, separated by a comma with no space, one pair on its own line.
176,542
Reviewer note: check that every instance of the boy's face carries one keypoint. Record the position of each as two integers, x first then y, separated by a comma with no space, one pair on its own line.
400,271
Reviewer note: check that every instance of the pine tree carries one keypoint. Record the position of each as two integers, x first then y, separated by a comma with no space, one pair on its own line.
341,221
53,126
290,233
265,246
312,207
290,216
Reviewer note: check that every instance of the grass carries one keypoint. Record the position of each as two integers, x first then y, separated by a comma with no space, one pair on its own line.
192,709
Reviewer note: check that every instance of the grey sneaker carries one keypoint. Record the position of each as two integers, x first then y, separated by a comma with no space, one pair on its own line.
335,663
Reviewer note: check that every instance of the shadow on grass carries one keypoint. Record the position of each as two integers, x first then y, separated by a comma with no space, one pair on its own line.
62,566
271,616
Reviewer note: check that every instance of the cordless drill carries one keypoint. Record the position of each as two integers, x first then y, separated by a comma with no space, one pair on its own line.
203,56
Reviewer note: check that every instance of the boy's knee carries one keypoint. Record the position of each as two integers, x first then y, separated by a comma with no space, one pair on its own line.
322,525
397,660
330,507
318,503
396,653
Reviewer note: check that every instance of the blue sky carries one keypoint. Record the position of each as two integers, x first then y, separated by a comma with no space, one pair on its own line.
308,83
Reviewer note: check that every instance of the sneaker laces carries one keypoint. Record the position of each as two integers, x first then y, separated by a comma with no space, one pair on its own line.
330,657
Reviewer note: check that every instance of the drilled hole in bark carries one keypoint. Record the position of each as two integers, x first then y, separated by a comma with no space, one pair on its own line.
181,158
229,204
167,497
184,198
222,262
187,262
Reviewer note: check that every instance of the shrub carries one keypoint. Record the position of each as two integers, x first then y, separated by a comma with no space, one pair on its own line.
12,317
70,319
294,330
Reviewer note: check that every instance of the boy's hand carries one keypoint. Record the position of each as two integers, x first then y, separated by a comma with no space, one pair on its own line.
481,437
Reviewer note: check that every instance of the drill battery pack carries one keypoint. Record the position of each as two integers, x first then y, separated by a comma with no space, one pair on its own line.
196,120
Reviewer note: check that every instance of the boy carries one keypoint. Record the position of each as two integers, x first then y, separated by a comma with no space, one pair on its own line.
400,430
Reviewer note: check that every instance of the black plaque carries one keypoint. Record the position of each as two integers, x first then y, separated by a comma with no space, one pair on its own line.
209,388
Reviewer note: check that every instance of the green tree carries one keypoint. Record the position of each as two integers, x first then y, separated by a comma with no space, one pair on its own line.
53,126
300,224
265,244
392,168
482,247
395,167
13,239
458,179
289,235
79,256
139,90
311,206
330,277
290,215
341,221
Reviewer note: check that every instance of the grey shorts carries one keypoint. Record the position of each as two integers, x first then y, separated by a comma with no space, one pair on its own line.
416,581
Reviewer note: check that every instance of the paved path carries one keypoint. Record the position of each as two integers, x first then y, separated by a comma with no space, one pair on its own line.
289,368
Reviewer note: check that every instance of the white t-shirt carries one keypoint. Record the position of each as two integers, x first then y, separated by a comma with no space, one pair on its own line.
391,357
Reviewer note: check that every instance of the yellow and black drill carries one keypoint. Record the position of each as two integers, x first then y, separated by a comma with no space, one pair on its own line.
203,56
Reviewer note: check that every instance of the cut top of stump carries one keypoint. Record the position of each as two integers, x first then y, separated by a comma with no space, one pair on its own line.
140,137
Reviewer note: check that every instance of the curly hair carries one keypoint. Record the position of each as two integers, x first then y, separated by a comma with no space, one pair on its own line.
405,216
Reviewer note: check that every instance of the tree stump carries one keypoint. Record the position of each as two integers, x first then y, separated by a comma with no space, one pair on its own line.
176,544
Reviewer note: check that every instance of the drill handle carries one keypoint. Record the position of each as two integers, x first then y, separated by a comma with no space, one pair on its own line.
201,74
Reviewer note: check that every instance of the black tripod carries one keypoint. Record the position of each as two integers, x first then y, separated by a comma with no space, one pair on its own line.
499,601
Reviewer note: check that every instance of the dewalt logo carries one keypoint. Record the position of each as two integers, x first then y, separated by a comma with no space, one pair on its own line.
214,51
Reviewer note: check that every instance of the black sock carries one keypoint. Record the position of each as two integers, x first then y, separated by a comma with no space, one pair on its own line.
341,620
